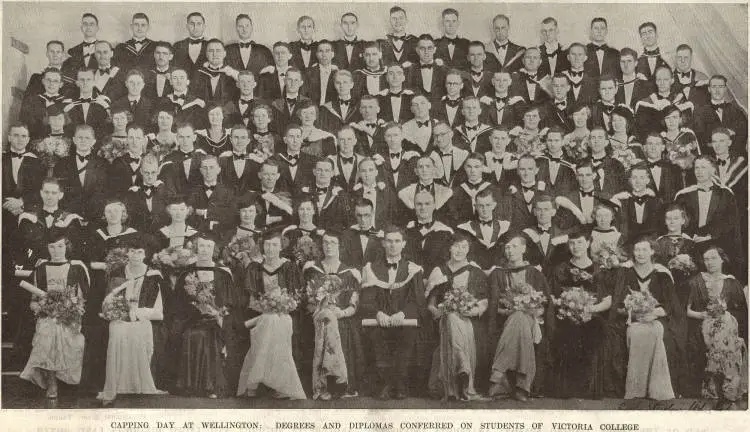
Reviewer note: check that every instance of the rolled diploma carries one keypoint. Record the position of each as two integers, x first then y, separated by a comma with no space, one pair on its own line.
32,289
371,322
23,273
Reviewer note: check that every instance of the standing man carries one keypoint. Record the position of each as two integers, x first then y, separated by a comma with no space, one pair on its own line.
502,53
529,83
190,53
452,49
349,51
398,46
85,108
82,55
140,106
245,54
478,81
272,78
303,50
721,112
109,80
632,87
320,87
554,57
137,52
583,88
651,58
157,80
371,78
427,76
55,55
601,59
215,82
692,83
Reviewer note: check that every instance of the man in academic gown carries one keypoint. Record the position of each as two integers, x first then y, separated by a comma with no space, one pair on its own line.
349,51
215,82
82,55
502,54
246,54
381,195
181,168
137,52
190,53
362,242
601,59
213,202
451,48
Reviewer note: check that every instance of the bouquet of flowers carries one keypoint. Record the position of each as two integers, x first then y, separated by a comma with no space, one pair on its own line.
573,305
607,256
682,263
52,149
113,148
576,149
528,143
275,300
115,308
626,156
202,296
240,251
526,299
580,276
175,257
306,250
324,290
682,154
716,307
116,259
640,304
61,304
458,300
161,150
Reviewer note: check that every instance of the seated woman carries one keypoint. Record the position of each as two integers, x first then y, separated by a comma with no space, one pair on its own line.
315,142
162,142
516,359
178,232
215,139
579,347
648,338
57,348
203,297
266,142
576,143
338,347
676,242
132,337
718,332
270,360
116,144
677,137
461,347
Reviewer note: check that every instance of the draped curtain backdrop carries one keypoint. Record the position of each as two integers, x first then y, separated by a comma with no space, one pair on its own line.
717,32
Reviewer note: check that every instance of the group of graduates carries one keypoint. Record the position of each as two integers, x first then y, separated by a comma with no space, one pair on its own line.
411,168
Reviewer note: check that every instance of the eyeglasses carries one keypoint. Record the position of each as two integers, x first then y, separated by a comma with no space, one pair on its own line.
718,86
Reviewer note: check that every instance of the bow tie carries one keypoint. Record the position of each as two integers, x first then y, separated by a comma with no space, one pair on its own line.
585,194
426,66
196,41
391,94
148,190
83,158
397,38
477,74
321,190
503,46
426,225
552,54
721,162
305,47
391,266
133,103
421,187
291,101
395,155
528,189
446,154
48,214
604,231
498,160
640,200
245,101
684,74
542,230
178,99
652,165
718,106
471,128
371,125
186,155
554,159
262,133
245,44
56,135
597,162
17,155
576,85
84,100
55,98
452,103
130,159
531,79
293,158
161,73
653,53
238,156
608,108
503,99
485,223
423,124
473,186
561,105
104,71
710,188
209,188
350,42
344,102
347,160
368,232
575,74
88,44
213,72
600,47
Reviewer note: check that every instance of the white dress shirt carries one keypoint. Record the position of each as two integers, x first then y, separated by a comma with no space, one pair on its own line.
245,53
704,199
396,108
194,50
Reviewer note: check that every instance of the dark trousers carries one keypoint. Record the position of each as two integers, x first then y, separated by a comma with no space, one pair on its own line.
393,349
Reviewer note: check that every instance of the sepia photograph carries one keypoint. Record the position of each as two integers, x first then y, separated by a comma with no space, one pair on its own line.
374,206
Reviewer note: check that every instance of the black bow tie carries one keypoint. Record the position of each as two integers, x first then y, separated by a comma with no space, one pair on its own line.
48,214
57,135
161,73
292,158
344,102
321,190
503,46
554,159
473,186
350,42
395,155
305,47
576,74
291,101
391,266
710,188
718,106
640,199
652,165
196,41
213,72
445,154
421,187
528,189
347,160
185,155
368,232
452,103
604,231
653,53
17,155
608,108
542,230
601,47
238,156
130,159
721,162
486,223
246,101
176,98
88,44
597,162
103,71
504,99
371,125
54,99
391,94
209,188
561,105
576,85
531,79
423,124
245,44
552,54
83,158
684,74
84,100
148,190
397,38
498,160
471,128
477,74
426,66
426,225
586,194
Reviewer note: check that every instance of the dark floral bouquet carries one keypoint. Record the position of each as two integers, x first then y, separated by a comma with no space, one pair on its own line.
274,300
458,300
682,263
576,149
113,148
626,157
573,305
640,304
580,276
51,149
324,290
608,256
202,296
64,305
240,251
525,298
116,259
306,250
716,307
682,154
115,308
175,257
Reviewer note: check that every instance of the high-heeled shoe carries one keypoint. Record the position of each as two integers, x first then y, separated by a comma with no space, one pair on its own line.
52,389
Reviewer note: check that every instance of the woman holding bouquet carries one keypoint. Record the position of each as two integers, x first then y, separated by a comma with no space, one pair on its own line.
338,347
105,253
457,297
528,139
717,309
675,243
270,360
135,299
516,359
302,241
645,314
681,144
204,295
57,347
623,146
163,140
576,143
267,143
178,232
215,139
116,144
578,343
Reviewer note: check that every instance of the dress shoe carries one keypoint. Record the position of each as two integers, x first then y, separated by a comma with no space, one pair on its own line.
385,393
400,394
520,396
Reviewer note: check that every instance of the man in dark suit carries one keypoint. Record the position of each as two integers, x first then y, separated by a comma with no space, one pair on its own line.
554,57
502,54
641,212
82,55
501,108
245,54
184,105
601,59
303,50
274,199
398,167
84,176
190,53
558,110
651,58
295,168
239,170
147,200
395,101
362,243
583,88
528,82
124,172
319,85
181,168
55,55
157,80
462,205
520,197
371,78
721,113
272,78
478,79
343,108
427,75
287,105
140,106
215,83
546,244
370,129
240,110
472,134
331,201
608,172
451,48
87,107
448,108
349,51
501,164
485,231
577,208
557,173
632,88
212,201
665,177
601,110
692,83
345,160
109,80
378,193
34,109
137,52
398,47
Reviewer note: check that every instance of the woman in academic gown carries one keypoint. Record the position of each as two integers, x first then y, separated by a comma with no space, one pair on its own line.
315,141
200,368
215,139
292,234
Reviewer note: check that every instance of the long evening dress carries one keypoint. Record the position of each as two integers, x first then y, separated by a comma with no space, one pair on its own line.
56,347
